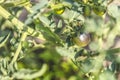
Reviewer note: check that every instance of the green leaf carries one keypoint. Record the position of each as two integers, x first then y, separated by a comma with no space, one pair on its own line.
94,46
65,51
30,74
48,34
59,24
107,75
45,21
87,65
72,15
113,11
39,5
4,39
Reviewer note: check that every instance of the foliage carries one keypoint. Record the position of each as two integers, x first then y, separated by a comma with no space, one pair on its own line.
84,31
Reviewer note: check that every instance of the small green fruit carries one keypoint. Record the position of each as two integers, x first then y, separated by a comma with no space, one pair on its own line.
59,11
99,10
82,40
86,10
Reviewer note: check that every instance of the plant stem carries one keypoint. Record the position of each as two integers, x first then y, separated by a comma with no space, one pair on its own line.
5,40
18,24
14,20
24,35
39,73
109,51
116,50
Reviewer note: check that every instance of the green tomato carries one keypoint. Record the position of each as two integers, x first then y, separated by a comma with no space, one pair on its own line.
85,1
58,8
86,10
25,44
81,1
99,10
59,11
82,40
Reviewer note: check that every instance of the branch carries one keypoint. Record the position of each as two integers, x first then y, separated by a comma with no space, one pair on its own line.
18,24
24,35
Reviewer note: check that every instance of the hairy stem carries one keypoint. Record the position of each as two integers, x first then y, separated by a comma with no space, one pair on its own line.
24,35
18,24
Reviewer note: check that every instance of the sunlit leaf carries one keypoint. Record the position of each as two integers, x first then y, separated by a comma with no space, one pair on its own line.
107,75
113,8
3,39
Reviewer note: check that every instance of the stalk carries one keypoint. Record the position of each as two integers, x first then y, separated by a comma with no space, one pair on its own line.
26,30
24,35
18,24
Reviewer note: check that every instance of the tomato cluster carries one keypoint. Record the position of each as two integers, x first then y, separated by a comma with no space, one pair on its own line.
97,8
88,7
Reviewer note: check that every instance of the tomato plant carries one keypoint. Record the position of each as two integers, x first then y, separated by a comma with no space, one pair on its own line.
59,39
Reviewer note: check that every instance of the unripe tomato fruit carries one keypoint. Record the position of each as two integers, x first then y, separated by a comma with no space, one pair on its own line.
86,10
79,1
82,40
59,11
58,8
85,1
25,44
99,10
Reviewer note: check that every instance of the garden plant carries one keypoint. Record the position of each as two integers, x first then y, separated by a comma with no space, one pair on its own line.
59,39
